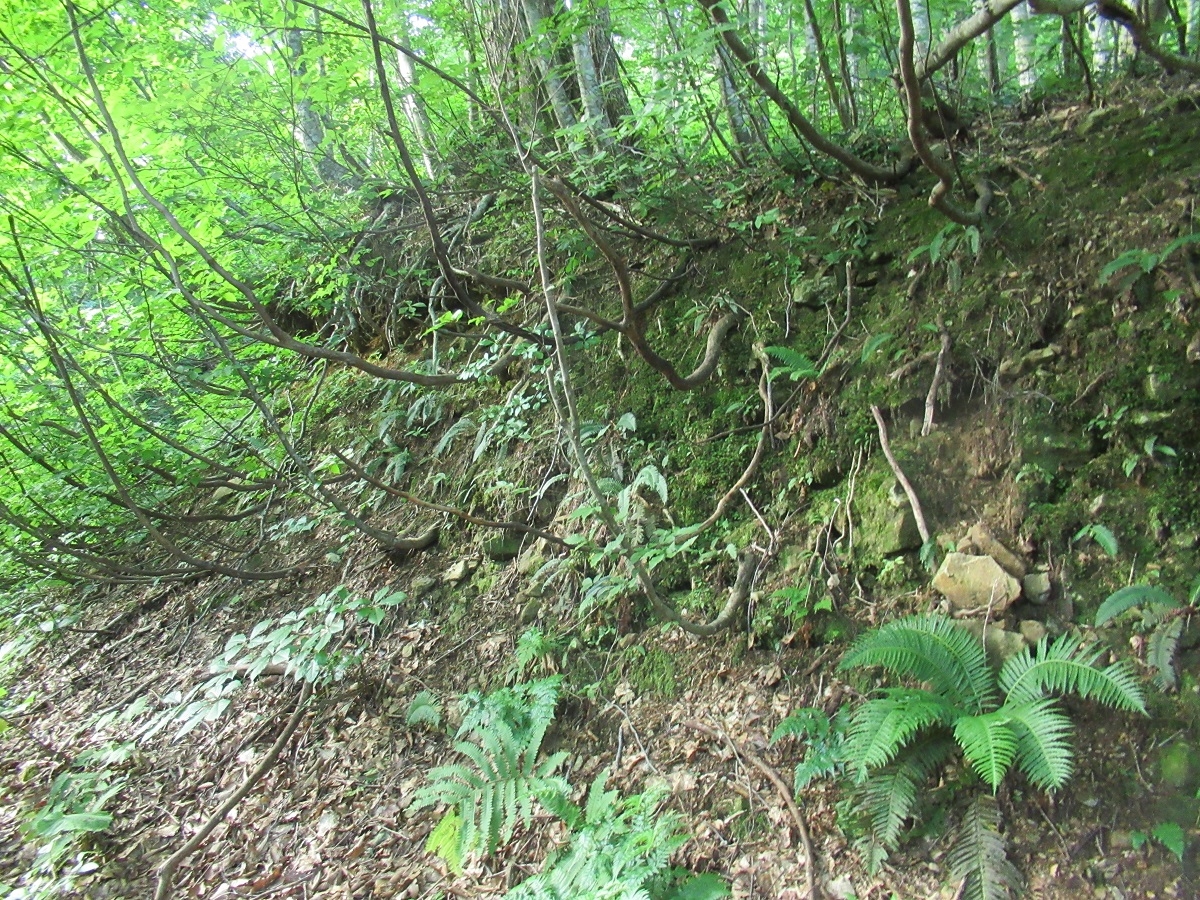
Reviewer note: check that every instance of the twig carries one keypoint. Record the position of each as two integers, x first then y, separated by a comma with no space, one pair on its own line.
938,371
784,793
900,476
167,872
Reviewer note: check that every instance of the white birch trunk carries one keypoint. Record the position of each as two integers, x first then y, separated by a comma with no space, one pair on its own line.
564,113
411,101
1025,46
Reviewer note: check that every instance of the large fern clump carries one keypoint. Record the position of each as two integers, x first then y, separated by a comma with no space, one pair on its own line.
501,778
950,701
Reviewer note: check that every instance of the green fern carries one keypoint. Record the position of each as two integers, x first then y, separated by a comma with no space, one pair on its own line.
497,790
1066,667
1160,653
898,737
933,649
977,856
621,852
1162,617
795,365
424,710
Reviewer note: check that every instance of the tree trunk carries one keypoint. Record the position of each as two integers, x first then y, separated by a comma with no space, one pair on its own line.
1025,46
1193,28
411,100
818,50
731,99
556,89
612,89
309,130
595,118
989,57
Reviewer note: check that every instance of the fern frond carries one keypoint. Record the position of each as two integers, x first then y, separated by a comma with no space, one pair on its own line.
461,427
1134,595
934,649
1043,733
978,854
889,795
1160,653
881,727
988,743
424,710
1065,667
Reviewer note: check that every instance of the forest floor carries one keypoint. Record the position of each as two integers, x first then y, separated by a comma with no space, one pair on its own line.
333,816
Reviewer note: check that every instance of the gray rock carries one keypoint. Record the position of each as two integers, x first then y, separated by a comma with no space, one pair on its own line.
883,529
975,583
421,586
999,643
981,538
502,547
1032,630
460,571
1036,587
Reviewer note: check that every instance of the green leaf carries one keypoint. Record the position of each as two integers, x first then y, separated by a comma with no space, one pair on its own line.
873,343
1129,597
989,744
1160,653
81,822
978,857
1171,836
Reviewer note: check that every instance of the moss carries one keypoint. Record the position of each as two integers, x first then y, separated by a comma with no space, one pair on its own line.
652,672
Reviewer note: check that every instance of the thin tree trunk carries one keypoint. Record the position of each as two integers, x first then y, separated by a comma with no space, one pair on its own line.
1025,46
1193,28
594,117
818,50
560,102
731,99
612,89
309,130
411,100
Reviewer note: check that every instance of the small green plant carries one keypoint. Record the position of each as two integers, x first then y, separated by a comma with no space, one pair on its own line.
950,701
1151,449
1137,263
73,810
424,709
304,644
792,364
497,786
824,739
1101,534
536,650
797,603
619,848
1168,834
1163,618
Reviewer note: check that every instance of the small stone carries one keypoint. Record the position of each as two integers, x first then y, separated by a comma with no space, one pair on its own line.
460,571
502,548
421,586
982,539
1036,587
1032,630
999,643
973,583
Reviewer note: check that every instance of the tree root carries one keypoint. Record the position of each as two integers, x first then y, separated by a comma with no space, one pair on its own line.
786,795
167,872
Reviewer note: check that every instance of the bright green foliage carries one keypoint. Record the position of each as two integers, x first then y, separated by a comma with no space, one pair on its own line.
620,851
978,856
1162,616
497,786
1169,834
73,809
824,740
899,736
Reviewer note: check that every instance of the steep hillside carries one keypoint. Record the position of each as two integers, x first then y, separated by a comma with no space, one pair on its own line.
1036,383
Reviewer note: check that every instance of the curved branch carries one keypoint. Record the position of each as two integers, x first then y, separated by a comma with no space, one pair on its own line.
1143,40
800,125
631,322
